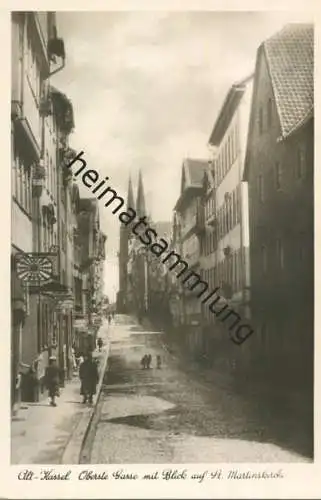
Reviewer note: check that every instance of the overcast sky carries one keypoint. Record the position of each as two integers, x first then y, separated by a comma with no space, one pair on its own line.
146,89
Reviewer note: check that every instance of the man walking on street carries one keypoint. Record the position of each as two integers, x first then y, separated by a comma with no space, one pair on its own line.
100,343
149,360
52,380
88,373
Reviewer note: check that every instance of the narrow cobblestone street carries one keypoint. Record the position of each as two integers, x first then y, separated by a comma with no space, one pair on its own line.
165,415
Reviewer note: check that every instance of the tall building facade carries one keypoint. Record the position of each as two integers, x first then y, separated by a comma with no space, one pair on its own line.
225,239
37,53
45,215
279,172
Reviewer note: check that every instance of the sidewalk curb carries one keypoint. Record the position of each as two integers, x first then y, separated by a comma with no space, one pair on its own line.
73,449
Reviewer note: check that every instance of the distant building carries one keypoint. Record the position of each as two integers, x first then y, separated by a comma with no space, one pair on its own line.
123,300
91,243
175,287
138,260
279,172
158,289
187,208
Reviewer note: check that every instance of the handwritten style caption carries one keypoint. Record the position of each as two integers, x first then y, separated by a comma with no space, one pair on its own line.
163,475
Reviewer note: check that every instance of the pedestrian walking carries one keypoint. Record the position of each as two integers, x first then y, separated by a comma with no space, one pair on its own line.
88,374
143,361
158,361
109,319
52,380
149,360
100,343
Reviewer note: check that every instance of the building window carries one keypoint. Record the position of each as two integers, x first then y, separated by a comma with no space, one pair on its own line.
269,112
44,236
280,253
233,209
278,175
63,236
261,120
301,161
28,190
235,141
261,187
264,259
228,153
235,288
22,182
238,204
223,162
232,146
226,157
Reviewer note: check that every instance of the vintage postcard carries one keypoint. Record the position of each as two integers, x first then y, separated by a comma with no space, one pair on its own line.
162,200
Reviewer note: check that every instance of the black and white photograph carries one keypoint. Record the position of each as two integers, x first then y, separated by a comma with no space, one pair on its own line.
162,241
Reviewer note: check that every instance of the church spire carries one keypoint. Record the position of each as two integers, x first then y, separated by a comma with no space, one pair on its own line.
130,195
140,204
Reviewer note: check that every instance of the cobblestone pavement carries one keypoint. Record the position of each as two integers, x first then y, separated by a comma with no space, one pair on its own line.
168,416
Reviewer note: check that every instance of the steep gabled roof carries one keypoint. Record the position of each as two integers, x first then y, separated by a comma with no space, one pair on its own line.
290,59
230,104
192,177
195,171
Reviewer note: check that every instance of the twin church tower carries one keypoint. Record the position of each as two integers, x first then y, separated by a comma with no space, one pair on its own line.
124,295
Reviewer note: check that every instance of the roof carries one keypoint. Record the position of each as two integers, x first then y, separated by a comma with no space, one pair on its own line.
195,171
88,204
228,108
290,59
192,177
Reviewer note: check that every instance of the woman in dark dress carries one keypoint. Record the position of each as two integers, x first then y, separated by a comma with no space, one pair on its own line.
88,373
52,380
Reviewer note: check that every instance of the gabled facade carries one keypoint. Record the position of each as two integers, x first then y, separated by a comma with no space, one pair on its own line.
279,172
187,209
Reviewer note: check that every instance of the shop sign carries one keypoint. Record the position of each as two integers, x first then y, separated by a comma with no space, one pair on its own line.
33,269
